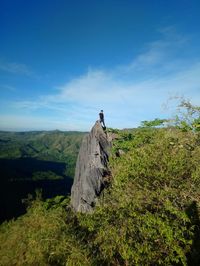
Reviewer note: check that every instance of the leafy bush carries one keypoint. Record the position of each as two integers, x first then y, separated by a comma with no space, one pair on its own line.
154,123
44,236
188,117
147,215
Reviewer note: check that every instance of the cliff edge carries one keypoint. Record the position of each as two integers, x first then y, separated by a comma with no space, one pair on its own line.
91,168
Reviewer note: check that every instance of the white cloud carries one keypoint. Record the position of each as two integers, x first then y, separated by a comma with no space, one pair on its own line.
159,53
130,93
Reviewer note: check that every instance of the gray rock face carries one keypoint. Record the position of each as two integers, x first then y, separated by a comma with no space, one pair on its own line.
91,168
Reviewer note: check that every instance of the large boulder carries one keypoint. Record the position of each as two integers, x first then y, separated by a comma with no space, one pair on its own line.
91,169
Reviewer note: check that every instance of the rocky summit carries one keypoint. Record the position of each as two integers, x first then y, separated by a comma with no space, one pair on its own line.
91,169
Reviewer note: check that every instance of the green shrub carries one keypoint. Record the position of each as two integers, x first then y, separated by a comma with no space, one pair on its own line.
143,219
44,236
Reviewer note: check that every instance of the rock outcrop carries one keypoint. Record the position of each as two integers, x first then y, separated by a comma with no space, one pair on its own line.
91,169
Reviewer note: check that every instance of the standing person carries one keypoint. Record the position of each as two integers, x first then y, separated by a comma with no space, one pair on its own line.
101,116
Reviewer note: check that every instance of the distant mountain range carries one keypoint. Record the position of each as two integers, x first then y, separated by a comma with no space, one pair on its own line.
35,160
38,155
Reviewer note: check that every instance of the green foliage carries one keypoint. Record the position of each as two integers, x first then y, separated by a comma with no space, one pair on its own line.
45,175
196,124
32,150
112,130
149,215
143,218
44,236
154,123
188,117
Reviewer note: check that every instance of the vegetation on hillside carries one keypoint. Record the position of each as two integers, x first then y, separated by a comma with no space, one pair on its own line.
30,160
149,215
29,155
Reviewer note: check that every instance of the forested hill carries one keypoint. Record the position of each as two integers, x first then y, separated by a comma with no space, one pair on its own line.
147,214
31,154
35,160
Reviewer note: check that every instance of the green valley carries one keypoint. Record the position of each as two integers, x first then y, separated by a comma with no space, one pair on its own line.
35,160
52,146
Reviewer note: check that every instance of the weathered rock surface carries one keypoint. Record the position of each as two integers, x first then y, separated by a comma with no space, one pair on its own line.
91,168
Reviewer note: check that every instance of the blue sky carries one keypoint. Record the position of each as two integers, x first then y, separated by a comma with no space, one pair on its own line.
61,62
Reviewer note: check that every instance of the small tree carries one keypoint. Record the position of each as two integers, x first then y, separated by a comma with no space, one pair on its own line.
188,117
154,123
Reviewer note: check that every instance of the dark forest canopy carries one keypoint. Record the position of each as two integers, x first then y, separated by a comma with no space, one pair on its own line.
35,160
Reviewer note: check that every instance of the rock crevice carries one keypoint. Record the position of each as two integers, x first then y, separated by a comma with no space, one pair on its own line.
91,168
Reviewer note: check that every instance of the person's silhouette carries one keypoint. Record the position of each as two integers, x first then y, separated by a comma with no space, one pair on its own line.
101,116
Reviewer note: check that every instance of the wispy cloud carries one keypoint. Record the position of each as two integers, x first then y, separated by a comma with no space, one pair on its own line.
159,53
16,68
7,88
128,93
